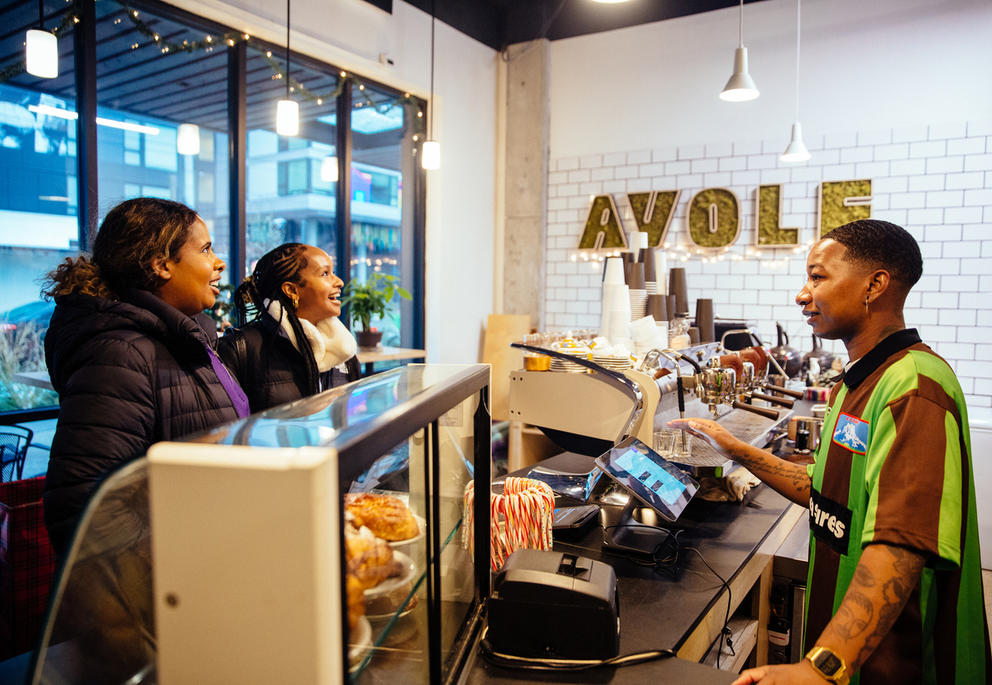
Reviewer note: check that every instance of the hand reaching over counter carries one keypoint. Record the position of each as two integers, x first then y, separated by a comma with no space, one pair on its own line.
790,480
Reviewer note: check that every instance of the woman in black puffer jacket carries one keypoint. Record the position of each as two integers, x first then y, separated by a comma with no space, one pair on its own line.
129,360
293,294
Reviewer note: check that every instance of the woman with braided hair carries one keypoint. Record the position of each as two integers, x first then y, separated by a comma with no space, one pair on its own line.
295,345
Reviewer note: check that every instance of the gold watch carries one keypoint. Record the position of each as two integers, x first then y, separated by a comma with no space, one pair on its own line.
828,665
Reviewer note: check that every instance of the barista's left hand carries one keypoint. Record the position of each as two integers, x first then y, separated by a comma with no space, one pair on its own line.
712,432
802,673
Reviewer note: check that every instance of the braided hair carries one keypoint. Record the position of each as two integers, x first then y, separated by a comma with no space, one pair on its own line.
275,267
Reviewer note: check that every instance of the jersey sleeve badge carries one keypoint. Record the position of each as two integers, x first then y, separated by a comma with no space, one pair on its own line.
851,433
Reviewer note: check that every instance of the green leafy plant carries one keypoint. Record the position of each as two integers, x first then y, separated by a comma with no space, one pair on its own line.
371,298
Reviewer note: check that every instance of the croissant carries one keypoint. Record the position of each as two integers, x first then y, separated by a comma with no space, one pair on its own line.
386,516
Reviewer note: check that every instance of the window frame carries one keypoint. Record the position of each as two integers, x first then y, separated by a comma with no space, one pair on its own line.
87,187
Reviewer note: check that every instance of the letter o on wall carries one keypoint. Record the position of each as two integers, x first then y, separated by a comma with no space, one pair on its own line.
714,218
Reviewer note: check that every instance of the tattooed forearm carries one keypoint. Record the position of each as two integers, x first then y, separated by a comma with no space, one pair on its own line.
854,616
788,478
883,580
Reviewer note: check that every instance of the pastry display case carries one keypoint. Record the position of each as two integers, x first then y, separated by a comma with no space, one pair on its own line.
317,542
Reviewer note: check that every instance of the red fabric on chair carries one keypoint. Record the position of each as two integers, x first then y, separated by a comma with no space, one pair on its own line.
27,564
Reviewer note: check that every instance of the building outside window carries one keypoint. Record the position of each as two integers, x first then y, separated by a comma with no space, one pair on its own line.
155,72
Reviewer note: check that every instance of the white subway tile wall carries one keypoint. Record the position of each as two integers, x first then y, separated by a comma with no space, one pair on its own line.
936,181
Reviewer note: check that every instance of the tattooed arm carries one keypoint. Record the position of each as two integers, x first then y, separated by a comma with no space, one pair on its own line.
883,580
791,480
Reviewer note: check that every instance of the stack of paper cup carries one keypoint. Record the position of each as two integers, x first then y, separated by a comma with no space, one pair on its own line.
614,293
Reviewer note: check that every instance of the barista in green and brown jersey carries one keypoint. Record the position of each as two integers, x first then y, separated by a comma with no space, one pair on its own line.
895,590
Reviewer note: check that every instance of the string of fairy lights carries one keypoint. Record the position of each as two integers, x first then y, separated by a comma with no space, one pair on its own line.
210,42
706,255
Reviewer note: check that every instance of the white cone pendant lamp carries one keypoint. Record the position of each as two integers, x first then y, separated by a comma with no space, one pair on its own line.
740,86
430,152
796,150
287,111
41,49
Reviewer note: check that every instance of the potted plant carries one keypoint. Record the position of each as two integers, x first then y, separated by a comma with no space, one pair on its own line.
368,299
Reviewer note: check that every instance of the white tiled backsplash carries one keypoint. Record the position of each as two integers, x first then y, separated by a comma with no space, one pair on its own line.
936,181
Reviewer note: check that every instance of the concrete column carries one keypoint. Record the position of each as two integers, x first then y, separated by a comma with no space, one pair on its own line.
525,185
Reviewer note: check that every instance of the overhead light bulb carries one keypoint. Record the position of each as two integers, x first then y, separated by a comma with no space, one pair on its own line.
188,139
288,118
42,54
796,150
430,155
740,86
287,111
329,170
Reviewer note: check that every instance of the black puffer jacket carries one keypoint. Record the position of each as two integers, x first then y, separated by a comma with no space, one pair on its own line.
270,368
129,373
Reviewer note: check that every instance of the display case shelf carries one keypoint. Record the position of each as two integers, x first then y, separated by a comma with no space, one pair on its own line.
245,574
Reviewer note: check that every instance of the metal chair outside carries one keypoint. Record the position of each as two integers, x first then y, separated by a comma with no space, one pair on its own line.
14,443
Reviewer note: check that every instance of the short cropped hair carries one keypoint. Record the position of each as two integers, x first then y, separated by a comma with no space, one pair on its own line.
880,244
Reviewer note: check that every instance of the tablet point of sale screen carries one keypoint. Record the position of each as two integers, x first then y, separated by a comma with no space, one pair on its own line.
652,475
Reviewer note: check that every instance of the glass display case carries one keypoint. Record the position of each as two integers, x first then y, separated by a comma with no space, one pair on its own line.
226,557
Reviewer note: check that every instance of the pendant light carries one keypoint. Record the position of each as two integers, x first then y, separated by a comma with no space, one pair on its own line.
188,139
796,150
329,170
287,111
430,152
41,52
740,86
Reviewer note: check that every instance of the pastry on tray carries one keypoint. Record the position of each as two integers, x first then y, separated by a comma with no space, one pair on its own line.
370,560
386,516
356,600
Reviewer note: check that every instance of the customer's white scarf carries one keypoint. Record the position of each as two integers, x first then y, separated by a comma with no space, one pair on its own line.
332,343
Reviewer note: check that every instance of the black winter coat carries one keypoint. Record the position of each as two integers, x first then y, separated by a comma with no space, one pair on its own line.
269,367
128,373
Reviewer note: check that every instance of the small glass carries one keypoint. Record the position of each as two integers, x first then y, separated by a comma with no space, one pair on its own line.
532,360
665,442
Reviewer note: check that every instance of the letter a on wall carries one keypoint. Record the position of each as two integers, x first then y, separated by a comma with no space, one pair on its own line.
842,202
653,213
714,218
769,212
603,229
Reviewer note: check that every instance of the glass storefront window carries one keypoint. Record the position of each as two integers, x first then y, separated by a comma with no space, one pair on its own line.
147,88
382,200
38,225
155,71
291,181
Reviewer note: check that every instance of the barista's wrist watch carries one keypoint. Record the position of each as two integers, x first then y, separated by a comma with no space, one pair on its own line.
828,665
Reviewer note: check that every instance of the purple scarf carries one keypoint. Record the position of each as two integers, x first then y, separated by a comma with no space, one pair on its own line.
234,391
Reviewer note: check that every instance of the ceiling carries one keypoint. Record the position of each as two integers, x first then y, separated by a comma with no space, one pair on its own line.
499,23
135,75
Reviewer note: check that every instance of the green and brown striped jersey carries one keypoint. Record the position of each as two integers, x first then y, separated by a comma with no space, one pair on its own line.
894,467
